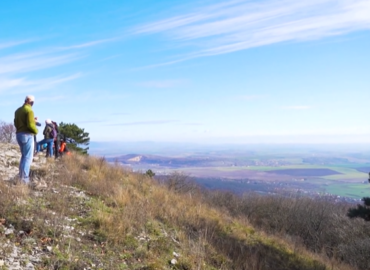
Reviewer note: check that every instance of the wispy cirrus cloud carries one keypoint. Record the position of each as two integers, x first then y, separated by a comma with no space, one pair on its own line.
13,66
238,25
89,44
22,85
20,63
9,44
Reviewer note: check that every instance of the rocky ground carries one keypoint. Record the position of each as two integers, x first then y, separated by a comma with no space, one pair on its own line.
54,228
22,248
23,245
9,161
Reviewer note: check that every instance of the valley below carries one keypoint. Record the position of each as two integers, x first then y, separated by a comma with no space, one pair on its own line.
341,175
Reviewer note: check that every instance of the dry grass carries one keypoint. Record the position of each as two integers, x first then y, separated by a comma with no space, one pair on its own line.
149,221
126,220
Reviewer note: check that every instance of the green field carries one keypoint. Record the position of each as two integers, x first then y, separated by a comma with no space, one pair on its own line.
307,170
349,182
349,190
346,173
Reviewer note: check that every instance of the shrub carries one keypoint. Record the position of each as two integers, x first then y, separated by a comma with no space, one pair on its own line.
7,132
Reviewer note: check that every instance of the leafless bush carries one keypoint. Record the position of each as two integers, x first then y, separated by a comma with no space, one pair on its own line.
357,253
7,132
181,183
320,224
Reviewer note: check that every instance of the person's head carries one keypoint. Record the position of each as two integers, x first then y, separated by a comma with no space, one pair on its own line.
48,122
29,100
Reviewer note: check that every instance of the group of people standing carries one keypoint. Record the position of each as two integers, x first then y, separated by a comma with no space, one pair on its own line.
26,130
50,133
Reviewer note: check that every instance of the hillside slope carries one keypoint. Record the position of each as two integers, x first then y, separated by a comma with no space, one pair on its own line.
98,216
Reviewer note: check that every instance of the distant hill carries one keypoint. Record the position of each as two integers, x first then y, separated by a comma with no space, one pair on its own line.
169,162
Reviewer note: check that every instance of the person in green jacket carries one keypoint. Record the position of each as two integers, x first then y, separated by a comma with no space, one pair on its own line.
24,122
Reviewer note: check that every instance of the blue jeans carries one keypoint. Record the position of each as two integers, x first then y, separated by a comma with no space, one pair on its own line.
50,143
26,144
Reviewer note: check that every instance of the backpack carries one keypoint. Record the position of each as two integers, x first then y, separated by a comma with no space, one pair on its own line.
53,133
55,125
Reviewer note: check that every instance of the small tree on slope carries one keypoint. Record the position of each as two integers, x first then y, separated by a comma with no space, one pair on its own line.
78,135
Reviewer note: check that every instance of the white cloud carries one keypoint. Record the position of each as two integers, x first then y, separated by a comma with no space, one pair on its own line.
21,63
239,25
9,44
22,85
88,44
14,66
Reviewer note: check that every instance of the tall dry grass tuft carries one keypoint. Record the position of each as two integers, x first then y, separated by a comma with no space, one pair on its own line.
11,197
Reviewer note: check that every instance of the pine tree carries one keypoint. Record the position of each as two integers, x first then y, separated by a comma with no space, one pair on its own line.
362,211
80,139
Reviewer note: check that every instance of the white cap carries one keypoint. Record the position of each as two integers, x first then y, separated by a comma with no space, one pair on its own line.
30,98
48,121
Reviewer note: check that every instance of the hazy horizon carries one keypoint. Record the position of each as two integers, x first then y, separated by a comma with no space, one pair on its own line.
163,148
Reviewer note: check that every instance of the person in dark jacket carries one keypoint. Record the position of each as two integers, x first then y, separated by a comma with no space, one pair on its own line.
56,140
47,138
24,122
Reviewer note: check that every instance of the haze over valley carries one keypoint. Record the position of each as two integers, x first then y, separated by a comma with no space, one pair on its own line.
331,170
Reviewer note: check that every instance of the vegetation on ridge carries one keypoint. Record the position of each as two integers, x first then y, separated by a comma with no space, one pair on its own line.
79,136
100,216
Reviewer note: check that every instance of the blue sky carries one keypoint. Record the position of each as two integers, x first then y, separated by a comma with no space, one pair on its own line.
205,71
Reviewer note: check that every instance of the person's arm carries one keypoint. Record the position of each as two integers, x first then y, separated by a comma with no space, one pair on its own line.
31,122
37,123
15,119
